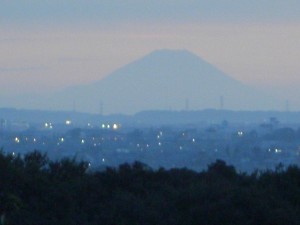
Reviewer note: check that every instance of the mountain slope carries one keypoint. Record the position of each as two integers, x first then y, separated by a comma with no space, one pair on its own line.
164,79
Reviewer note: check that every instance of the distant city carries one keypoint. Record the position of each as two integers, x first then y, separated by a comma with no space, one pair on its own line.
111,141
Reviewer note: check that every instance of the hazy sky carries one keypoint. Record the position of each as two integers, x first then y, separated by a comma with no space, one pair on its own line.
46,45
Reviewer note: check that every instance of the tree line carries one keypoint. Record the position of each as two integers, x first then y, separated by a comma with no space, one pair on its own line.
36,190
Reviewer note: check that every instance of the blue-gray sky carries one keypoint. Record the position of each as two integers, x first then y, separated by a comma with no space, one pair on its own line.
51,44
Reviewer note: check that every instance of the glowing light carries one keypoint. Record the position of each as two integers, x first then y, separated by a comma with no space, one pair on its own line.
68,122
240,133
193,140
62,139
103,160
115,126
34,140
82,141
48,125
159,143
17,140
103,126
108,126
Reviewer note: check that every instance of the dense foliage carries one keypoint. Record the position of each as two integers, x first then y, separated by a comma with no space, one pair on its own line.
35,190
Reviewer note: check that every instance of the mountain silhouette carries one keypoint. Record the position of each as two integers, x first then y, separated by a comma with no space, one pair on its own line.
163,80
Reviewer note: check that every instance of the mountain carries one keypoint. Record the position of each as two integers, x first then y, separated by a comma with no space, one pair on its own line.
164,79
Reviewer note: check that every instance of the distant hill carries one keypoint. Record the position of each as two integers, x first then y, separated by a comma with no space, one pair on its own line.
162,80
148,118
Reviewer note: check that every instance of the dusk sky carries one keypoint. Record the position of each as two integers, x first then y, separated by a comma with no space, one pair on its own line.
48,45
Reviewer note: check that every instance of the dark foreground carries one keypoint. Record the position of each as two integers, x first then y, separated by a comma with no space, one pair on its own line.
34,190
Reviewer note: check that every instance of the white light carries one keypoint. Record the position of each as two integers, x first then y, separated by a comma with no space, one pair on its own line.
17,140
108,126
193,140
240,133
82,141
46,124
115,126
62,139
159,143
34,140
103,126
68,122
103,160
13,153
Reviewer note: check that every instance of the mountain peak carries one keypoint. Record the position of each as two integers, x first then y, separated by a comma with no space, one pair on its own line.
165,79
172,54
169,52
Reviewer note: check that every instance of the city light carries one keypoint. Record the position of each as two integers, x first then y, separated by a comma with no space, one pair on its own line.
48,125
240,133
68,122
115,126
17,140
